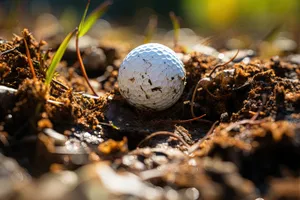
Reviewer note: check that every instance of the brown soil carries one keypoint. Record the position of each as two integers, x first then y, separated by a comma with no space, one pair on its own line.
247,146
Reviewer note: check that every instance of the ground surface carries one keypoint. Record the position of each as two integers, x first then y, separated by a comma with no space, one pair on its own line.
61,143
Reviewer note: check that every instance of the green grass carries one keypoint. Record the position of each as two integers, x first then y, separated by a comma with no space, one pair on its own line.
85,25
57,57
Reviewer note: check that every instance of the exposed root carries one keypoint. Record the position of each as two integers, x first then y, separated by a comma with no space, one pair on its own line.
188,120
82,65
29,57
195,146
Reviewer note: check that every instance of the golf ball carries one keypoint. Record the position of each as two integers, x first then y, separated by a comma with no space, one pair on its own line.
152,77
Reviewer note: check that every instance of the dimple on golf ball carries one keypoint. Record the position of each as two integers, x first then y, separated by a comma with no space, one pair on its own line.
152,77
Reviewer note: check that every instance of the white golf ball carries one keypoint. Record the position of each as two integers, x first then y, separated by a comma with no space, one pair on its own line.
152,77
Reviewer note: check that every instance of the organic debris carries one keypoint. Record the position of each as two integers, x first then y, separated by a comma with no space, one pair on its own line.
244,145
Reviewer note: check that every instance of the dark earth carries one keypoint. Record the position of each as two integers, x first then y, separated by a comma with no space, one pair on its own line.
63,143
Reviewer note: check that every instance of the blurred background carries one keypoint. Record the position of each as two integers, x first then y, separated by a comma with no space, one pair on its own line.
240,22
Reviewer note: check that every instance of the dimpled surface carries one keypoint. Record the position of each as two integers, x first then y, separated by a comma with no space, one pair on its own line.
151,77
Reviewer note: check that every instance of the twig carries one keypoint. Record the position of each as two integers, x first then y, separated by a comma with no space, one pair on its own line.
180,121
167,133
197,144
59,83
188,120
82,65
29,59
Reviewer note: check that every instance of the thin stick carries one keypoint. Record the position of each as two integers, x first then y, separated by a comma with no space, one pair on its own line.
82,65
163,133
188,120
196,145
180,121
29,59
59,83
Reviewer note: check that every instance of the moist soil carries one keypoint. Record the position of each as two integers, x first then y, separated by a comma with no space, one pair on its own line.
60,142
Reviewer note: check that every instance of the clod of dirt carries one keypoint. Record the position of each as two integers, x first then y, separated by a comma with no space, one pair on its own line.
14,65
256,146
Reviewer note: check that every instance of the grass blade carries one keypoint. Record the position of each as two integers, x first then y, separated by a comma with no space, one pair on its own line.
57,57
176,27
84,15
93,17
151,27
